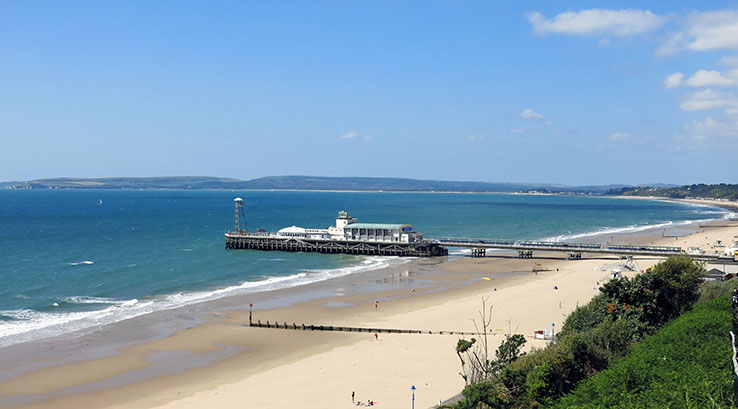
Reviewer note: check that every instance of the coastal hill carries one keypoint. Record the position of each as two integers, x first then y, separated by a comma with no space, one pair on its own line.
721,191
303,183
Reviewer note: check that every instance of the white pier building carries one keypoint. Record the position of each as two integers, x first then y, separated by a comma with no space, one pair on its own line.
348,228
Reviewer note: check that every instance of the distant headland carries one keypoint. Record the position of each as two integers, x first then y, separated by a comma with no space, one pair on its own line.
375,184
301,183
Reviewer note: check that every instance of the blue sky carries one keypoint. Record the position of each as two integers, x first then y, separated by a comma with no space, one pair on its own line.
556,92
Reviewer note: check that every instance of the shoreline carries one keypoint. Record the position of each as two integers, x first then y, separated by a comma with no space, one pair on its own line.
210,296
163,369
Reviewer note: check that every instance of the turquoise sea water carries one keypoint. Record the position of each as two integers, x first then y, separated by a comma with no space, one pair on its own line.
68,262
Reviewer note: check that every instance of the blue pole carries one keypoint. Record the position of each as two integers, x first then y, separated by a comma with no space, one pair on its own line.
412,388
553,332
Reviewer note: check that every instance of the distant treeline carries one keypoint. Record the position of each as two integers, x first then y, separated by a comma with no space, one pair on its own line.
306,183
721,191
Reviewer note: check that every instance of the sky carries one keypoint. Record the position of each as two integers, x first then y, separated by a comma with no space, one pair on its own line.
566,92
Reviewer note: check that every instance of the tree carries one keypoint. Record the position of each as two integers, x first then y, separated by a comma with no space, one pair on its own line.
478,367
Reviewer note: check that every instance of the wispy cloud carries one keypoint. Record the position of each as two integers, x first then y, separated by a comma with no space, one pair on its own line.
593,22
530,114
476,137
619,137
624,137
356,135
705,31
729,60
709,99
708,133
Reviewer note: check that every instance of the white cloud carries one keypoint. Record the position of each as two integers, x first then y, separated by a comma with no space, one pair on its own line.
476,137
622,22
517,131
705,78
674,80
710,99
367,137
704,31
729,60
530,114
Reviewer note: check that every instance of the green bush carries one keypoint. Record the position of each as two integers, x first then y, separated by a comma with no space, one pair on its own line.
685,364
593,337
716,289
586,317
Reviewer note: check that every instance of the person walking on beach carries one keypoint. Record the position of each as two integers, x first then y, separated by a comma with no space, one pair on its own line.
376,305
353,396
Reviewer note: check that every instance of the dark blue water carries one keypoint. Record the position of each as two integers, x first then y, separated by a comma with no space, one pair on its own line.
68,262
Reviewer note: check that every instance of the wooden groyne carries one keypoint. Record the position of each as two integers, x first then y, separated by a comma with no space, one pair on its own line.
312,327
369,330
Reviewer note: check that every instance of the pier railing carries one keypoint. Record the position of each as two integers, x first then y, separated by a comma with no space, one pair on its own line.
530,245
437,247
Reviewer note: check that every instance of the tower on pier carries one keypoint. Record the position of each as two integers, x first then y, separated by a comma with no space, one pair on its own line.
239,214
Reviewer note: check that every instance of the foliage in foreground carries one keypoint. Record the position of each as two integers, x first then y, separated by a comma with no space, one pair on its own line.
685,364
718,289
592,337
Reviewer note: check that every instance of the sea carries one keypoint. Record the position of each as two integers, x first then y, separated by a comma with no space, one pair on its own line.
73,260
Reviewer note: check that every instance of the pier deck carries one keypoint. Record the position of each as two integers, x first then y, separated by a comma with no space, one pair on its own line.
526,247
272,242
438,247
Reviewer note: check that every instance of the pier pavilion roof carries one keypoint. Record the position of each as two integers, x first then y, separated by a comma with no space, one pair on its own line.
292,230
377,226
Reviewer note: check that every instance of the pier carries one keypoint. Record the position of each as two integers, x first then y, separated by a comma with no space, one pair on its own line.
275,242
348,236
525,248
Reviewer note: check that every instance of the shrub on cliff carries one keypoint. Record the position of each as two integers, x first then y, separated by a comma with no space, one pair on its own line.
593,336
685,364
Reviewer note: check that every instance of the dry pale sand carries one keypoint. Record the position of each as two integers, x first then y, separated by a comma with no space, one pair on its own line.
277,368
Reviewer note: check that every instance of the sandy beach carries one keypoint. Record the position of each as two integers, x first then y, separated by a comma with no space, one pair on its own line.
222,362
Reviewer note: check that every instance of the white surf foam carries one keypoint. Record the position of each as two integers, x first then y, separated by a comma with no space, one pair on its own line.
80,263
627,229
27,325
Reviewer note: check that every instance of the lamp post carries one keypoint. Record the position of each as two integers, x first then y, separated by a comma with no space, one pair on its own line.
412,388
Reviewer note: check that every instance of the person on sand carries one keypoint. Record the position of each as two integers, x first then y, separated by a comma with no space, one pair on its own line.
376,305
353,395
376,336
